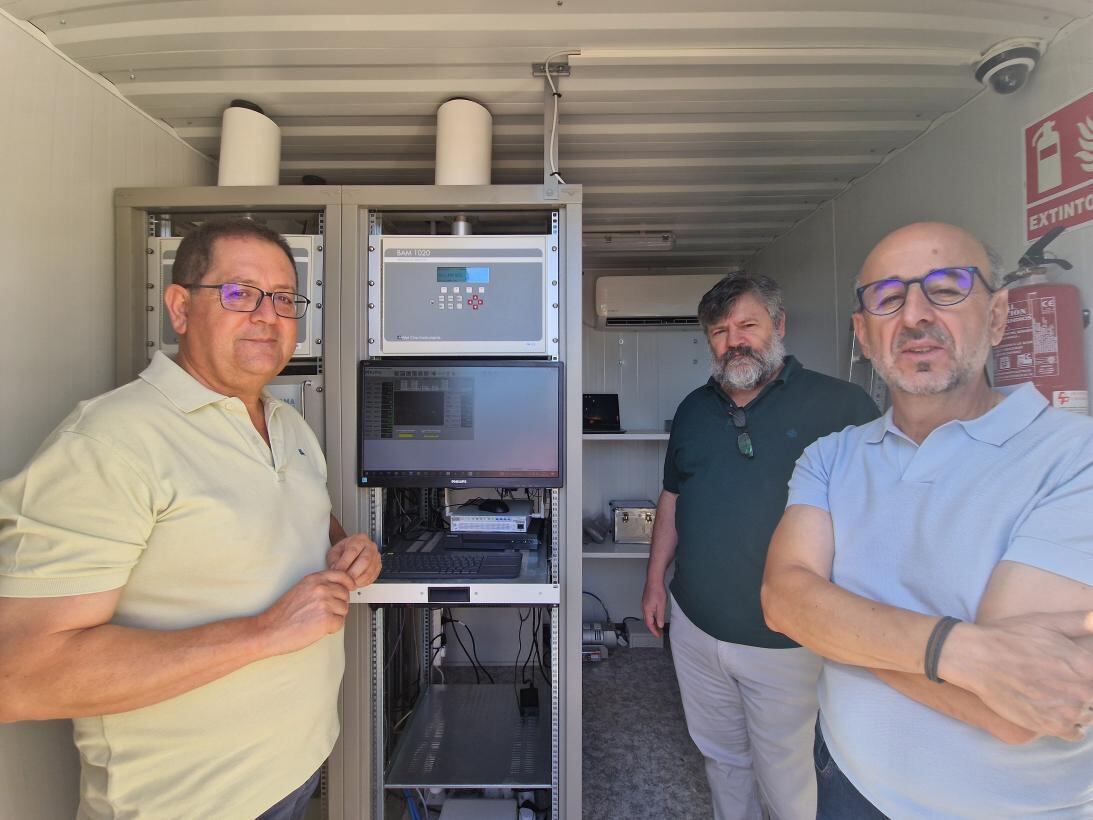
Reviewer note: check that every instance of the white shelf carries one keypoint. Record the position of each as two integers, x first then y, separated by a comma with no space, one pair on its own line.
609,549
629,435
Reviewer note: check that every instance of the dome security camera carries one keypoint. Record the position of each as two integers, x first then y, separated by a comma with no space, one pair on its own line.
1005,67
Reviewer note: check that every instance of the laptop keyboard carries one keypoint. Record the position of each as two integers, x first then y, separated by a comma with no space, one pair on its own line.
445,566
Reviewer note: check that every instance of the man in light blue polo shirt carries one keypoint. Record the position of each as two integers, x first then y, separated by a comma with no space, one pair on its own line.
941,560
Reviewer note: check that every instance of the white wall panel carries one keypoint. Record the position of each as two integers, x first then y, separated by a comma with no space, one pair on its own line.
651,370
806,271
65,143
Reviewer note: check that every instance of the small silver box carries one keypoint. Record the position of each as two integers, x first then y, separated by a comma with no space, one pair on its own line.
633,521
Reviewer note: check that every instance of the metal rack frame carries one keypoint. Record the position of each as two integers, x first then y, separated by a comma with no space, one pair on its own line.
361,746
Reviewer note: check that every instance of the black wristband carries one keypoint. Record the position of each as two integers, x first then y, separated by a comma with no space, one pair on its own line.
933,646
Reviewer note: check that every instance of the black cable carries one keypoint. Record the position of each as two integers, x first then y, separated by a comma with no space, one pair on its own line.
538,657
455,632
474,649
606,616
516,681
531,649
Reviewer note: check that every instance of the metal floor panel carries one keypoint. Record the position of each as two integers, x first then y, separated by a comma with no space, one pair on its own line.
472,736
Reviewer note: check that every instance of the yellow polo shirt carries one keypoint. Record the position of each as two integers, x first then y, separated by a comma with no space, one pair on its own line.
165,488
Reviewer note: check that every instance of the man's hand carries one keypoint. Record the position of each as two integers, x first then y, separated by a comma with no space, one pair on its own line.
654,605
1028,669
314,608
358,557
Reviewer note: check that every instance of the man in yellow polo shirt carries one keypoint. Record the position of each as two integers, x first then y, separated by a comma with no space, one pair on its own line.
171,576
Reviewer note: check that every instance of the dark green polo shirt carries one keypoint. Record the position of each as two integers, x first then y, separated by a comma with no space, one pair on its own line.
729,505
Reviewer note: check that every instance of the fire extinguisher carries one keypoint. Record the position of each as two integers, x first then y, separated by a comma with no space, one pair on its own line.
1042,342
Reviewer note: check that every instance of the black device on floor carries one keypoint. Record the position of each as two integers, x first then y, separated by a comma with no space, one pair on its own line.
601,413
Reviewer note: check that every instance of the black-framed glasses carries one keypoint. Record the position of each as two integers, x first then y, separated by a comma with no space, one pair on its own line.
743,438
944,287
247,298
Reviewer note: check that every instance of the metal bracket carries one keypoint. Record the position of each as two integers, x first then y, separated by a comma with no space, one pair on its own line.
556,69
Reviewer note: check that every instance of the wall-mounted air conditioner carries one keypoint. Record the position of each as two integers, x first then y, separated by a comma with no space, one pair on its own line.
661,301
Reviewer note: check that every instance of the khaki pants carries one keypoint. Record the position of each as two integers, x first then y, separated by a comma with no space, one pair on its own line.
752,713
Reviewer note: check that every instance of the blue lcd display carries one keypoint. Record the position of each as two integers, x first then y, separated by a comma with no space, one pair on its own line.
476,276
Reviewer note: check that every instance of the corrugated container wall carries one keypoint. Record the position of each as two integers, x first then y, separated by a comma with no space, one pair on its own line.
66,142
968,170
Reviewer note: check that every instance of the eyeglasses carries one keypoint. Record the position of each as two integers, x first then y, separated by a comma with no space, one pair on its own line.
944,287
743,438
247,298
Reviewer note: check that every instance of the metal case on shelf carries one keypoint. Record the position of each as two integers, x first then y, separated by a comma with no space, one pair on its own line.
633,521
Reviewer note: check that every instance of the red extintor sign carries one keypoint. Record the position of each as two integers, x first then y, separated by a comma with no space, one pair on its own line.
1059,169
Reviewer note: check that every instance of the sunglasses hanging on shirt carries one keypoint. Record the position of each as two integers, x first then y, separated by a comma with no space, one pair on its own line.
743,438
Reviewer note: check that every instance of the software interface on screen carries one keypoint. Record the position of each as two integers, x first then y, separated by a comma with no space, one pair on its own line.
447,423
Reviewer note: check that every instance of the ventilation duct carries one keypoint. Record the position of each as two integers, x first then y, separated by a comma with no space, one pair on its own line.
250,146
464,142
628,241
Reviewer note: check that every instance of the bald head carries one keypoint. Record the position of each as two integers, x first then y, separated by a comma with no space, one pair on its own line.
914,249
923,347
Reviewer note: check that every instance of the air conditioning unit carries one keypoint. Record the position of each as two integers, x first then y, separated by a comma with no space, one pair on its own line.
661,301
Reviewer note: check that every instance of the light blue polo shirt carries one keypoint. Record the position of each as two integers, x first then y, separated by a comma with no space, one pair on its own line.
922,527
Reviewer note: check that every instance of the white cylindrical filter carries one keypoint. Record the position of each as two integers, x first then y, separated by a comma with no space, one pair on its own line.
250,147
464,142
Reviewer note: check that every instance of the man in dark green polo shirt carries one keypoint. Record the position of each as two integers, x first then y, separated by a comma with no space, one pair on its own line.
749,694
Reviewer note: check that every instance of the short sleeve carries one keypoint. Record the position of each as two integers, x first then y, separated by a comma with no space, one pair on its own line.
811,475
671,473
1056,535
75,521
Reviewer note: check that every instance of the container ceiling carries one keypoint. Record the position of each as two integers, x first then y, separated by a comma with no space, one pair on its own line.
721,121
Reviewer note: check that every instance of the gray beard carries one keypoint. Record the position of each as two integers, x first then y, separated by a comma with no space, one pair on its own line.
925,382
748,369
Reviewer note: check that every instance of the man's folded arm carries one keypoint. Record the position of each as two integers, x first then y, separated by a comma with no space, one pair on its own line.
800,601
62,658
1005,674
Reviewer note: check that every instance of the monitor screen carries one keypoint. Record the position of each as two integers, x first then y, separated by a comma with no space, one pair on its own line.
460,423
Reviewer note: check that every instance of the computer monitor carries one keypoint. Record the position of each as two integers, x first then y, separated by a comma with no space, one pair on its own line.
460,423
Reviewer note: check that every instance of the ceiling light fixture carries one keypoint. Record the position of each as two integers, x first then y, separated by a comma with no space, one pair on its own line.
629,241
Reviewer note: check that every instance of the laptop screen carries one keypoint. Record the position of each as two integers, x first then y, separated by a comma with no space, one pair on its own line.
601,413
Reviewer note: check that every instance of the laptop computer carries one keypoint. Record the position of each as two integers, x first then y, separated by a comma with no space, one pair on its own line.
601,413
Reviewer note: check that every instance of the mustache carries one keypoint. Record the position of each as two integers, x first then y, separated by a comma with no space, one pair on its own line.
918,334
740,351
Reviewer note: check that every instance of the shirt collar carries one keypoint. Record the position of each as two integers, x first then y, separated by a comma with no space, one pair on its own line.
185,391
1021,405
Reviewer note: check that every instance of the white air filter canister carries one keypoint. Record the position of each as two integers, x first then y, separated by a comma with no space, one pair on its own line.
250,146
464,142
